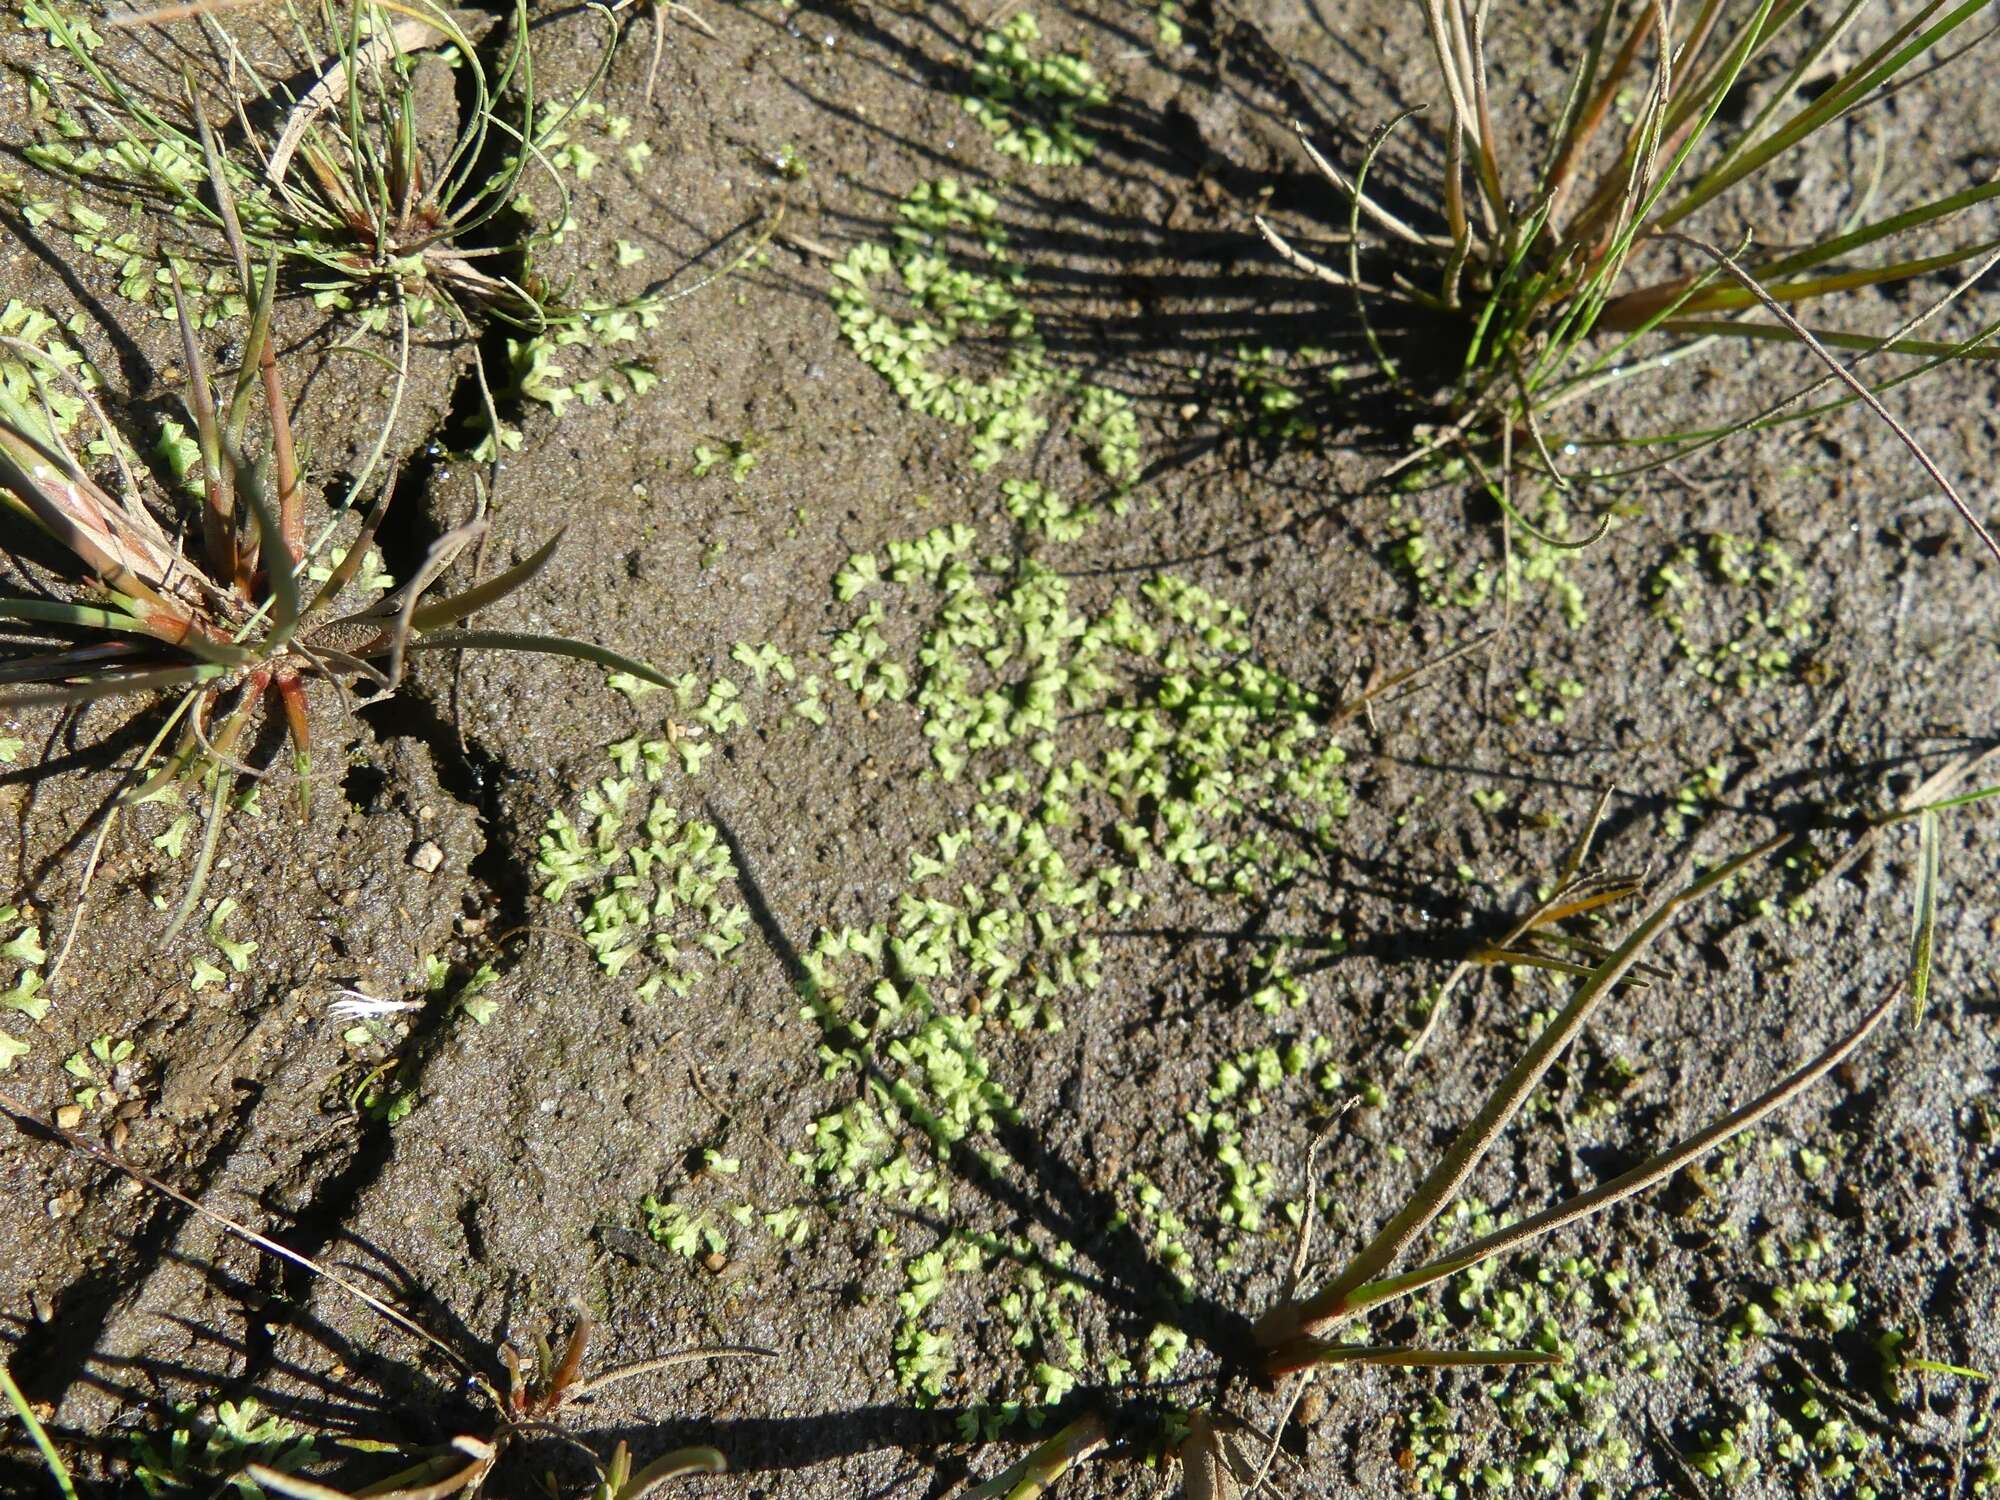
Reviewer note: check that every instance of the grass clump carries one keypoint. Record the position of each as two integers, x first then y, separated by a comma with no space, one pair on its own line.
238,622
1548,272
356,188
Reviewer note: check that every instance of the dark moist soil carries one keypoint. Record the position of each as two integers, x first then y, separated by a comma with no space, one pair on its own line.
498,1199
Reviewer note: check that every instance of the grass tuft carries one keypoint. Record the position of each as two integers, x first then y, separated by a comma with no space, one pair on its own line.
1559,270
236,624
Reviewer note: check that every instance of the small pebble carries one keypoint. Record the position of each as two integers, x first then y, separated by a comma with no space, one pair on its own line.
427,857
70,1116
1312,1406
716,1261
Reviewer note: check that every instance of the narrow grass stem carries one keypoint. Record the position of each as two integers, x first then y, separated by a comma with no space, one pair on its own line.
1046,1464
1647,1174
1336,1300
1853,382
37,1434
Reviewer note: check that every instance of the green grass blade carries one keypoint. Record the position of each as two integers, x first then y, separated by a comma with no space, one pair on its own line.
263,302
78,616
1833,338
276,556
1685,128
1879,67
1853,382
342,573
1963,799
1578,121
211,834
113,686
218,532
1786,409
62,666
1880,229
1923,936
1048,1463
450,611
91,617
1823,37
37,1434
1724,298
551,645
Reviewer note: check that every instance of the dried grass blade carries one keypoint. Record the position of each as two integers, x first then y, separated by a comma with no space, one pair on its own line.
1627,1184
1335,1300
1527,958
410,35
1852,381
698,1459
1204,1463
70,507
1048,1463
1562,173
1566,884
292,1485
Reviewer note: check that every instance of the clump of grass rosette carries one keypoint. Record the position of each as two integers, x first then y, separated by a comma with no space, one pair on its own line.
1548,273
238,623
360,192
